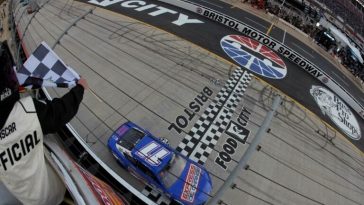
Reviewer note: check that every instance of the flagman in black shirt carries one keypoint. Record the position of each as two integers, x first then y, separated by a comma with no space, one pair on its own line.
24,172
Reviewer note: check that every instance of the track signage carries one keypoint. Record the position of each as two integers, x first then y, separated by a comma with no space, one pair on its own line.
337,111
237,133
245,51
151,9
194,106
262,38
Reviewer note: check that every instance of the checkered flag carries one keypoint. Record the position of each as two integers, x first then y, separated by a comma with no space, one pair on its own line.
45,69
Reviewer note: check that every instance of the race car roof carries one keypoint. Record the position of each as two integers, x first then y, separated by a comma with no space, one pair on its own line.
152,153
130,134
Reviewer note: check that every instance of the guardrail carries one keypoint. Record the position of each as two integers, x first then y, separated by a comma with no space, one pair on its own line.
274,44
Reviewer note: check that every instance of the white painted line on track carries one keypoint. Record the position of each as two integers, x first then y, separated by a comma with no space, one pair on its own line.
303,50
207,2
284,36
340,78
256,23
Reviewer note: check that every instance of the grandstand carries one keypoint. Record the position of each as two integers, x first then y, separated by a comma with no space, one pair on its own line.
351,11
346,16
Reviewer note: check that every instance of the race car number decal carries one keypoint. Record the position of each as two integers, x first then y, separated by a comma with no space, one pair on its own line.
190,187
153,153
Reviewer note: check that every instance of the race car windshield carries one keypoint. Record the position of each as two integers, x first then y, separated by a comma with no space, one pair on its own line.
173,171
130,138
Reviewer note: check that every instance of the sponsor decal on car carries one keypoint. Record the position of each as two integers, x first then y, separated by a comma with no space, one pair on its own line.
190,187
240,49
337,111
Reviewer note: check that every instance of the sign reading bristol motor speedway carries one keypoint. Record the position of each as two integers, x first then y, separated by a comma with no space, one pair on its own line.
264,39
238,47
337,111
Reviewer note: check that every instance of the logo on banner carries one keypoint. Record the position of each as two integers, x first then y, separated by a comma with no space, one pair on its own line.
238,132
337,111
240,49
199,10
325,80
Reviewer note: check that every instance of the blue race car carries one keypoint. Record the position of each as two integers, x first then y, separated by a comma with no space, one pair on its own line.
153,161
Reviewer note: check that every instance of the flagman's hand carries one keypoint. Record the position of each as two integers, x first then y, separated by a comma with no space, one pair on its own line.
82,81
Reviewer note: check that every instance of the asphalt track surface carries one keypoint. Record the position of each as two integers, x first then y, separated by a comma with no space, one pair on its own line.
297,82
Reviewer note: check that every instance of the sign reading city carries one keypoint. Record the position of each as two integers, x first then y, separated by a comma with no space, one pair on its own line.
337,111
254,56
152,8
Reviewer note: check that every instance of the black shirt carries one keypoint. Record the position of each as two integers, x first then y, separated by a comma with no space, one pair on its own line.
56,113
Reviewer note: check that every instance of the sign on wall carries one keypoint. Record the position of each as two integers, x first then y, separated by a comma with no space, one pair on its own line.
333,107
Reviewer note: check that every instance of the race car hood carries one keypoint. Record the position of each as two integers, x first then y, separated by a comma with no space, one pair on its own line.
194,187
153,153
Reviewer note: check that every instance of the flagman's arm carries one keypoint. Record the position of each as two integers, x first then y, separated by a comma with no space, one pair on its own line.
56,113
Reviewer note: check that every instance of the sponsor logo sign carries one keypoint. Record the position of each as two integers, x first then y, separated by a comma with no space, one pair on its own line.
337,111
150,7
190,187
237,132
245,51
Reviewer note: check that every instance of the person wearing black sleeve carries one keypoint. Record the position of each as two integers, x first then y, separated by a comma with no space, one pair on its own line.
25,176
59,111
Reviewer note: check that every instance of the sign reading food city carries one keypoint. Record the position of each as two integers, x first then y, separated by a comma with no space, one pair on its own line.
237,132
337,111
244,51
